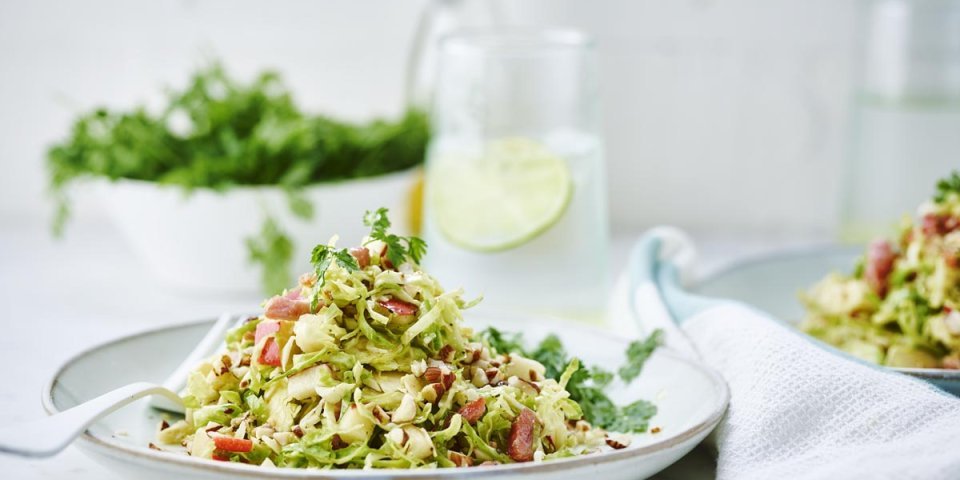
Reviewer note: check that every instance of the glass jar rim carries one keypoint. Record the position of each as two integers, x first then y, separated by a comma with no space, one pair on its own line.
515,41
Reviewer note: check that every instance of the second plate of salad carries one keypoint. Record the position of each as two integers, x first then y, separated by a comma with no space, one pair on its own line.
893,303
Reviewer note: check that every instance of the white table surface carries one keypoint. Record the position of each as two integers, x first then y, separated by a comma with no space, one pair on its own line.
61,297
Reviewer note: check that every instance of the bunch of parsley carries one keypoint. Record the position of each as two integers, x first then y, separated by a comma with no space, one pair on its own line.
218,133
587,385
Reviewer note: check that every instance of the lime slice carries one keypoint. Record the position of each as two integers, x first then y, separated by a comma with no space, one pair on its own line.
501,199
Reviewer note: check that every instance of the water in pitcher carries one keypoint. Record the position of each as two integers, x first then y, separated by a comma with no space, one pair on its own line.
560,269
515,199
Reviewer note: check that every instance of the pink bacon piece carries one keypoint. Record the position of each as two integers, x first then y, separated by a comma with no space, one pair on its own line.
398,307
520,442
270,355
879,264
284,308
933,225
361,255
264,329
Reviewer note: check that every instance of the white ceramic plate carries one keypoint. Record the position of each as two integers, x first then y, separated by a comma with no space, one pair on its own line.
773,283
691,400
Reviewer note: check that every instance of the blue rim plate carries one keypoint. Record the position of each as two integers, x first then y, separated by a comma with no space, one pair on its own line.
773,282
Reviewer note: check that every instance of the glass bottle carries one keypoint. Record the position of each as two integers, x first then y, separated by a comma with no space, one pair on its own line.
906,112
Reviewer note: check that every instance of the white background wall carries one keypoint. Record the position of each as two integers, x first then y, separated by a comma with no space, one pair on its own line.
720,114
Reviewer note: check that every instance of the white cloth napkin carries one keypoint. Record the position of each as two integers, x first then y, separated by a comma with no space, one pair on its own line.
798,411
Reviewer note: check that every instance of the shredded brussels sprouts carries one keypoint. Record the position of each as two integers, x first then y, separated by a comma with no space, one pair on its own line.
900,306
367,364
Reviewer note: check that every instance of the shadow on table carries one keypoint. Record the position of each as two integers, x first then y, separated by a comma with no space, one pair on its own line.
699,464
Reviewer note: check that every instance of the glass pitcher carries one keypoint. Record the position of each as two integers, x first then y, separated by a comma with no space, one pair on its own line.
515,201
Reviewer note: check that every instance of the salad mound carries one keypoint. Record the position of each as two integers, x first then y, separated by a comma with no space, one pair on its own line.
366,364
900,306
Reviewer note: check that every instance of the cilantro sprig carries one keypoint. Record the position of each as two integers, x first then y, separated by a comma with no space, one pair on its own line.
587,385
946,186
273,249
513,342
398,248
637,354
321,258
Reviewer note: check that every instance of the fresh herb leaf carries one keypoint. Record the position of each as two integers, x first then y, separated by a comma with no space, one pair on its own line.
551,354
586,387
299,204
417,247
502,342
398,248
345,260
60,215
600,377
586,384
634,417
322,257
378,221
597,407
637,354
273,250
946,186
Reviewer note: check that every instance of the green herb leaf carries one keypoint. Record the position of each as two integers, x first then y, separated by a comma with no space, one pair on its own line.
551,354
600,377
946,186
637,354
587,385
299,205
272,250
378,221
60,216
399,249
635,417
502,342
345,260
321,258
417,248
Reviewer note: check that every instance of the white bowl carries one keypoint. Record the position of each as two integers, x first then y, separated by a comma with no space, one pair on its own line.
691,399
196,241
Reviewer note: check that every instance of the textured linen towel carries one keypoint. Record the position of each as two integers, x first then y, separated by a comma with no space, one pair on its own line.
797,410
800,411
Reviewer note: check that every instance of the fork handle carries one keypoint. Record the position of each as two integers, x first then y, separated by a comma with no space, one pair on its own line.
178,379
48,436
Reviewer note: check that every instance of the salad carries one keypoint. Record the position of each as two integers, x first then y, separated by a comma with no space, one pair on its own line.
367,364
900,306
